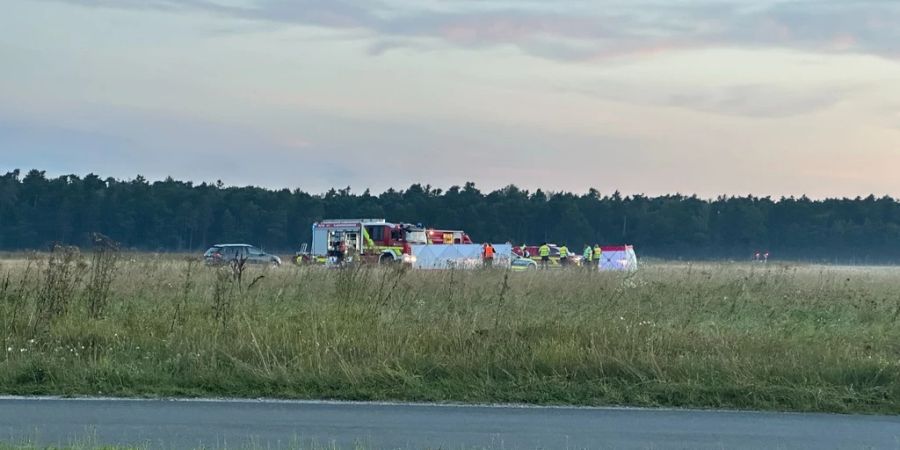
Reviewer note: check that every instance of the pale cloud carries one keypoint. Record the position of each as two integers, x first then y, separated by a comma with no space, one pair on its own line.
576,30
747,100
761,101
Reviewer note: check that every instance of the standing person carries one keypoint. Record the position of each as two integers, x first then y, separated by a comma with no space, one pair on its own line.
564,256
487,255
598,253
588,256
544,253
335,254
342,251
525,253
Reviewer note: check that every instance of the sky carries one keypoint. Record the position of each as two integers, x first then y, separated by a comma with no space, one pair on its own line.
705,97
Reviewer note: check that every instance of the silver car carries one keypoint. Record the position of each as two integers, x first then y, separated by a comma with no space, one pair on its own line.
226,253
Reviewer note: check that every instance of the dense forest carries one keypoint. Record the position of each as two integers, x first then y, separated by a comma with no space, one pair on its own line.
171,215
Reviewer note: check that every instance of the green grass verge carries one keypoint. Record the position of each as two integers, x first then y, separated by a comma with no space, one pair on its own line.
707,336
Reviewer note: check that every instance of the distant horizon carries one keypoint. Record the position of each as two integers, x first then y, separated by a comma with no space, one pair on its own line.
443,188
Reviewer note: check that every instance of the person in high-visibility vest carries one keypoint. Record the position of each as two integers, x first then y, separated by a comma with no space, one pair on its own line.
544,252
487,255
598,253
564,256
587,256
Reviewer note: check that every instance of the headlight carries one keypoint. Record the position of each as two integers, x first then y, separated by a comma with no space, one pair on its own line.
409,259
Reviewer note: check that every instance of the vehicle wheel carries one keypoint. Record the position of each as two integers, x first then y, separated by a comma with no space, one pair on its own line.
386,259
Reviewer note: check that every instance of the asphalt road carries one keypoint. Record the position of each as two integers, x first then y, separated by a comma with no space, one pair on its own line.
275,424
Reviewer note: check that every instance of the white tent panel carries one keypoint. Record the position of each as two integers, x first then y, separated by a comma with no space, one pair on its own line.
460,256
620,259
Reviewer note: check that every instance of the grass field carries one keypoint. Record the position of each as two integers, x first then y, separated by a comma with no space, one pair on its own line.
720,336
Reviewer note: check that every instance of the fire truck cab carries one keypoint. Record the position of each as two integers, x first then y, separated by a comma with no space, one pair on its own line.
447,237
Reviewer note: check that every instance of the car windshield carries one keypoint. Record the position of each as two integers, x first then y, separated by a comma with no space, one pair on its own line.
521,262
211,251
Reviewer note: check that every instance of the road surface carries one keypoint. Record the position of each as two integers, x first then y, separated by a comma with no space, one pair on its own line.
278,424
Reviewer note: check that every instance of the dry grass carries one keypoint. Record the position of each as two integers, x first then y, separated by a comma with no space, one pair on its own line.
733,336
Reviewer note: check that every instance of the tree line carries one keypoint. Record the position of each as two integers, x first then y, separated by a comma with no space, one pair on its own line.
171,215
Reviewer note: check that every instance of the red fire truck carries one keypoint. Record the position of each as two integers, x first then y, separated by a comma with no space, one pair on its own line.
362,240
371,241
448,237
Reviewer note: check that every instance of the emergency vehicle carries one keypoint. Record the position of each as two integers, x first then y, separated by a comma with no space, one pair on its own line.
339,241
533,253
448,237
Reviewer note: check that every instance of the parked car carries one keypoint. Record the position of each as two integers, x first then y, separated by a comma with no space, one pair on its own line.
225,253
520,264
533,251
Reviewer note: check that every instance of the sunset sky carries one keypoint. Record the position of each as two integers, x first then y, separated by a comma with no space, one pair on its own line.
707,97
